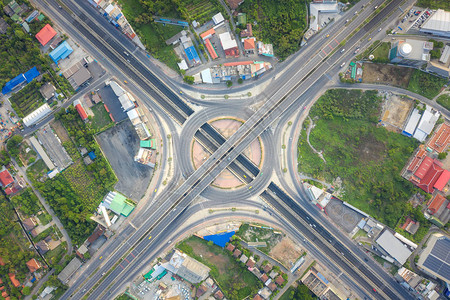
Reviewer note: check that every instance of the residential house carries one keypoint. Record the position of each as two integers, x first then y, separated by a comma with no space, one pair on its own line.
272,286
200,291
218,295
237,253
267,268
13,279
243,258
279,280
230,247
410,225
249,45
29,224
439,209
264,278
47,91
5,178
250,262
33,265
248,32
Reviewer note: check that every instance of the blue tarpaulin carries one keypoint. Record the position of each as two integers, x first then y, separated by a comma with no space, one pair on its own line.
220,239
92,155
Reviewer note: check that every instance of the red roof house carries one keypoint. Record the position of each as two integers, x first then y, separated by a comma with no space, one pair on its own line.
440,138
81,112
46,34
208,33
2,263
436,203
247,32
249,45
211,49
33,265
6,178
13,279
430,175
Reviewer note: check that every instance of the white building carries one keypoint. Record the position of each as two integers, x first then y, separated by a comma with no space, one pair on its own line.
117,89
206,75
437,24
37,115
127,101
393,247
226,41
410,52
319,10
426,124
133,115
411,125
218,18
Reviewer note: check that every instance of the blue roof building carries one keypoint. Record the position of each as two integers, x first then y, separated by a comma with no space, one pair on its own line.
92,155
61,52
31,74
192,54
19,79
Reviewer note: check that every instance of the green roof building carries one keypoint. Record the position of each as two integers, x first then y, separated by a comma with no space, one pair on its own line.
118,203
148,144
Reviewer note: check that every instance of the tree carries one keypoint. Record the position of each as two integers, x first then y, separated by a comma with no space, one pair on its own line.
442,155
189,79
26,290
229,83
435,53
240,81
13,145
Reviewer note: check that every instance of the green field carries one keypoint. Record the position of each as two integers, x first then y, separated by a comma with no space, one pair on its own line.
381,53
27,99
444,100
37,170
434,4
101,118
201,10
366,157
233,279
425,84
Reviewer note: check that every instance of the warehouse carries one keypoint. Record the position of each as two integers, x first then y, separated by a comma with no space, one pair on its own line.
435,259
437,24
61,52
37,115
393,247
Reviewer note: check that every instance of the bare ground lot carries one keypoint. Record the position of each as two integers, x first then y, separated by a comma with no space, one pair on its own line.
387,74
396,110
120,144
60,131
286,252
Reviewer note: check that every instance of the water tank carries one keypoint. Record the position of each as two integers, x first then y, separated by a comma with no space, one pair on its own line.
405,49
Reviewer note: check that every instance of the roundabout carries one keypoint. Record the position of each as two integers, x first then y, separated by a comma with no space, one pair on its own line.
226,121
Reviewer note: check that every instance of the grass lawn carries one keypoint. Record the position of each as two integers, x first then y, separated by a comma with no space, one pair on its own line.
434,4
360,233
444,100
382,52
367,158
37,170
55,255
101,119
234,280
44,218
287,294
425,84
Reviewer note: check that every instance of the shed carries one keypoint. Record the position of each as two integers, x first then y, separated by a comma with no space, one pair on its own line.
393,247
37,115
118,204
47,90
218,18
68,271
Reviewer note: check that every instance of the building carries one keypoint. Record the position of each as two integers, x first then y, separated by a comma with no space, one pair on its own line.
409,277
426,124
146,157
151,144
29,223
47,91
3,26
265,49
187,267
192,55
248,32
439,210
437,24
249,46
33,265
429,174
440,139
37,146
117,89
410,52
79,78
14,280
316,282
218,19
127,101
211,50
61,52
410,225
5,178
17,81
434,260
45,34
69,270
393,247
237,253
207,34
438,69
56,42
319,10
118,203
411,125
37,115
80,110
229,45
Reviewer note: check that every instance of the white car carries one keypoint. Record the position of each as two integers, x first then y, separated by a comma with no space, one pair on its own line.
342,51
343,64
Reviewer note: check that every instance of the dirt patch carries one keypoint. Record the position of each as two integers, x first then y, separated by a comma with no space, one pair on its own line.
386,74
396,110
286,252
220,261
370,149
60,131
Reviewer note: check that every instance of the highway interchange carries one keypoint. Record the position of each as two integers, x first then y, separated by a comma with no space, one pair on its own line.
296,85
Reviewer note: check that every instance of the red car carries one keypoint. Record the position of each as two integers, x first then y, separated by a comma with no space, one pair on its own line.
374,290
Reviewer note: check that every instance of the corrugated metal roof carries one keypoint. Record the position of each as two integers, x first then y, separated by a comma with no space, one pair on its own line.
439,21
394,247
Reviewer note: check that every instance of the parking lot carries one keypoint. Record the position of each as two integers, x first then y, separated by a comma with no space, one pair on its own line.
343,216
120,144
113,104
53,147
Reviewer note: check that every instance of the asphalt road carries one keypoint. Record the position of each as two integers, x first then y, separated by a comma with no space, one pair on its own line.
257,123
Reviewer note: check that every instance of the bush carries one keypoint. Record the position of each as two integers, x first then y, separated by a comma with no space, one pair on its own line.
229,83
240,80
442,155
189,79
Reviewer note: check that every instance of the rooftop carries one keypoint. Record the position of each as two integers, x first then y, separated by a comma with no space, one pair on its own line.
435,259
45,34
436,203
393,247
6,178
439,21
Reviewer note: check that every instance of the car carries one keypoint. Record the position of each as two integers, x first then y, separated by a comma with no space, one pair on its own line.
376,6
379,29
169,242
365,259
374,290
125,52
327,35
342,51
355,12
155,190
103,273
100,257
343,64
369,39
125,81
356,50
346,21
